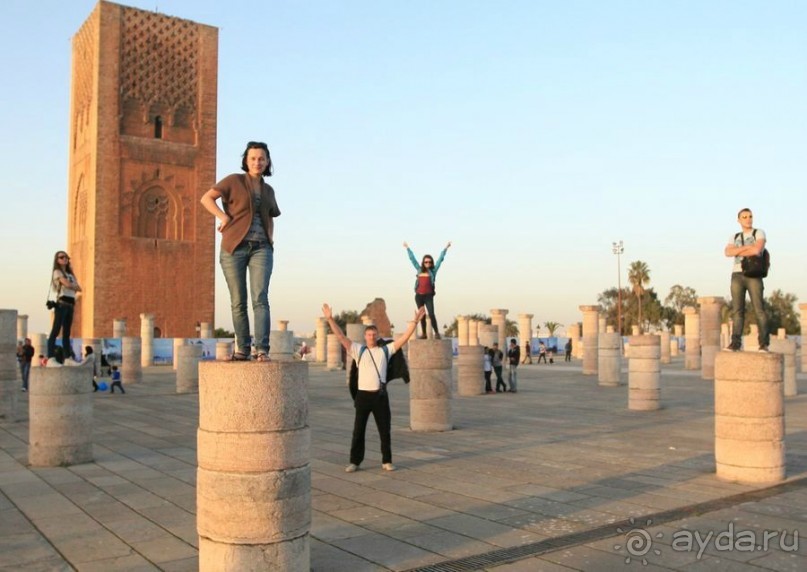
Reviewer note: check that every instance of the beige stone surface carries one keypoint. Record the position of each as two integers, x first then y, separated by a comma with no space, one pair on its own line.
430,395
40,343
787,348
131,369
498,317
60,432
224,350
147,339
462,330
22,326
591,319
710,307
666,356
188,359
334,353
489,335
609,355
470,371
281,345
644,373
119,328
321,340
9,369
293,555
692,339
177,343
430,354
289,449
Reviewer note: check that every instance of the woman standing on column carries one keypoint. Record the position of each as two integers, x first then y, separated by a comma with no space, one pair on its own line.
424,286
246,224
66,286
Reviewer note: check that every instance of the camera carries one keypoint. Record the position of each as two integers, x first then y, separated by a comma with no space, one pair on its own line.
50,304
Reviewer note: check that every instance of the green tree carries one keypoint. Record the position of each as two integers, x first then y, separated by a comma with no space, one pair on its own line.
679,298
639,277
552,327
781,311
222,333
346,317
652,311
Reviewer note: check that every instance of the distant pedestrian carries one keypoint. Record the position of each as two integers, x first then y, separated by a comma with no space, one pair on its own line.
487,367
497,357
25,362
116,380
568,350
527,353
89,357
541,352
513,357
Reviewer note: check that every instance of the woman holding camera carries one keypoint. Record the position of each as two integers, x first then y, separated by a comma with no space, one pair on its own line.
64,283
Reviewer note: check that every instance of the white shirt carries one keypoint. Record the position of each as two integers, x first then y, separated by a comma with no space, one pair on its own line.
368,376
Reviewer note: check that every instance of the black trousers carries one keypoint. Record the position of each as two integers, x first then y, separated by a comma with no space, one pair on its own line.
499,380
377,403
487,381
428,301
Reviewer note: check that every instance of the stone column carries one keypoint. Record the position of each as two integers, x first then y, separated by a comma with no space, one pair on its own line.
283,325
470,371
188,368
462,330
803,322
665,347
749,417
334,353
644,372
781,333
725,335
473,332
253,487
692,329
60,429
678,330
322,340
205,330
366,321
751,341
22,326
710,333
574,334
223,350
178,342
10,381
601,325
609,356
118,328
40,344
131,371
634,330
281,345
147,339
788,349
591,321
489,335
430,386
498,317
525,328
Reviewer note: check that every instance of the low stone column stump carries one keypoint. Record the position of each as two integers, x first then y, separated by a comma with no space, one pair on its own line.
470,371
430,363
644,373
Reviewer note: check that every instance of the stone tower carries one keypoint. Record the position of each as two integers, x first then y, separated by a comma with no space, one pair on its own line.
142,152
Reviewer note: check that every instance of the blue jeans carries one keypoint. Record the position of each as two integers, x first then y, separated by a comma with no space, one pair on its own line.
739,286
512,377
25,371
259,259
62,321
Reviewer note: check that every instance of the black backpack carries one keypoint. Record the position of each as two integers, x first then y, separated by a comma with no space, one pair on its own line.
755,266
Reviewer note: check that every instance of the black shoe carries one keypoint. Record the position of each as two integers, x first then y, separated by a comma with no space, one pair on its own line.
734,347
437,336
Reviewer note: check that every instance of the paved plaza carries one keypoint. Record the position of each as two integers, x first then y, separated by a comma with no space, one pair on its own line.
558,477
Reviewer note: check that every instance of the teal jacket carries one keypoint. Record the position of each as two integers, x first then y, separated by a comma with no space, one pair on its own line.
432,271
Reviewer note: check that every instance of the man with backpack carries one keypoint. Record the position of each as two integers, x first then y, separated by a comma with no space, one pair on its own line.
746,244
372,360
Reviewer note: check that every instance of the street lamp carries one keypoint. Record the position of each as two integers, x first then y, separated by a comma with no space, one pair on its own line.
618,248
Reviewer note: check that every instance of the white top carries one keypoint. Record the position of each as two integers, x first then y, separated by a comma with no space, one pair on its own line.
61,289
487,364
368,376
746,240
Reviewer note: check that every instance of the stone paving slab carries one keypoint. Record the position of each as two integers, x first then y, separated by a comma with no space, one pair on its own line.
558,462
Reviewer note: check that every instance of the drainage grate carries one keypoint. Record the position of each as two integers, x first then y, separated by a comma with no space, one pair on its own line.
507,555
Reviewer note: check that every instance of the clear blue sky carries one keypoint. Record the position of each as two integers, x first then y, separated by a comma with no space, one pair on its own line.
531,134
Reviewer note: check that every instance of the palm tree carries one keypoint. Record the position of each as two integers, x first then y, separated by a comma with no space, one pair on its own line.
552,327
639,277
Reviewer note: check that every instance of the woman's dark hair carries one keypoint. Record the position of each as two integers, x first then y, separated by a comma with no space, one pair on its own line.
267,172
423,261
57,266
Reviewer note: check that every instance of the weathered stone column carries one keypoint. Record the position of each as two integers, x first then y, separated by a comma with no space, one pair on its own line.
60,429
283,325
692,329
224,350
725,335
366,321
609,356
601,325
675,349
281,345
146,340
178,342
470,371
22,326
205,330
498,317
253,501
710,333
462,330
188,368
591,323
9,369
131,371
749,417
803,322
473,332
119,328
644,372
665,347
40,344
574,334
787,348
322,340
334,353
489,335
525,328
751,341
430,386
634,330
